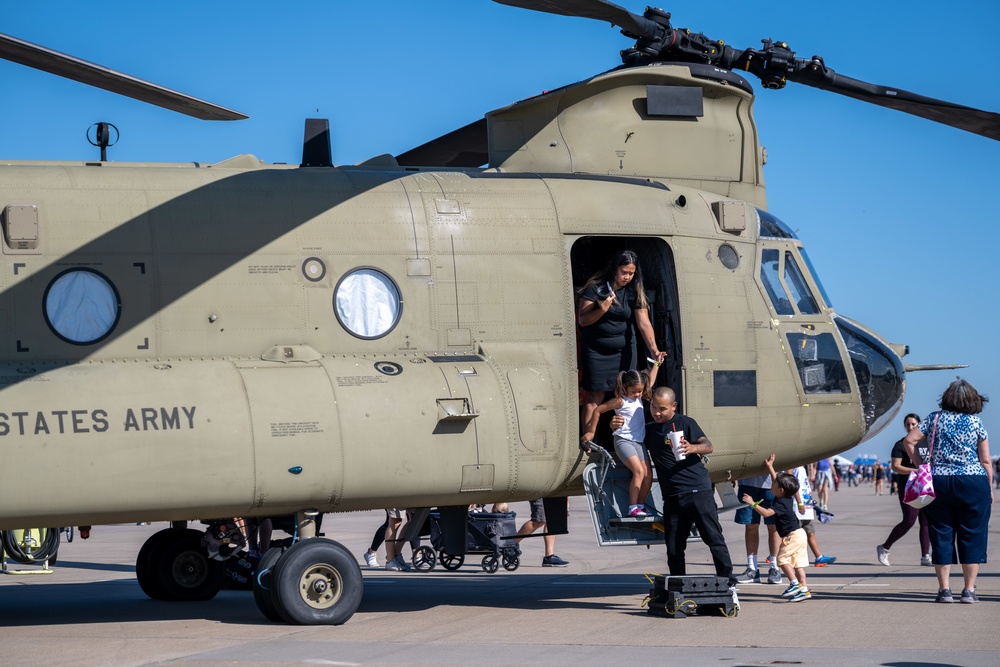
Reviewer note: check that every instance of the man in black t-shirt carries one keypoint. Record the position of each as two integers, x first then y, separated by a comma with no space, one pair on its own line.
688,497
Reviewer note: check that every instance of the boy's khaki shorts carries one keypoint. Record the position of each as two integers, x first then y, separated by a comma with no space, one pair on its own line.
793,549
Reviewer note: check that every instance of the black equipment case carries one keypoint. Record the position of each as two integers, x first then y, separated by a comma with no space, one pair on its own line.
680,597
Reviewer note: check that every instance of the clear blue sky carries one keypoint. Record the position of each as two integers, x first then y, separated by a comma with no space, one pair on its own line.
901,216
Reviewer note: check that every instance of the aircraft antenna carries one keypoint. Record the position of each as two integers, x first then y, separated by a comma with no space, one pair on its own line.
102,137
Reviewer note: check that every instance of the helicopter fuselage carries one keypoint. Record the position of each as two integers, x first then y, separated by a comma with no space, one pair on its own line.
275,338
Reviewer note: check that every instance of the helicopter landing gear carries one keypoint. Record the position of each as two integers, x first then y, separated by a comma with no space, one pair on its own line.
315,582
173,565
263,583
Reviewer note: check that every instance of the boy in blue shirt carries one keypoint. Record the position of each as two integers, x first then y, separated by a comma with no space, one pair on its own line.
793,556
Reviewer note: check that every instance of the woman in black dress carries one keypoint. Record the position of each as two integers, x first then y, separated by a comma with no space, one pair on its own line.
611,304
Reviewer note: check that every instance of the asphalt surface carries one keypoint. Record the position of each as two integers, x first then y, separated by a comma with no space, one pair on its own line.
90,611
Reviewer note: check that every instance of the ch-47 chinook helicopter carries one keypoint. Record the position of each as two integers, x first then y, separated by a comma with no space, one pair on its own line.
186,342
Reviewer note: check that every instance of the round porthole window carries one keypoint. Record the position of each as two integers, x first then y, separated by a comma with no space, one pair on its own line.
367,303
81,306
728,256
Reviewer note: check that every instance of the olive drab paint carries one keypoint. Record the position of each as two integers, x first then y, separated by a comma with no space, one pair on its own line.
406,336
191,341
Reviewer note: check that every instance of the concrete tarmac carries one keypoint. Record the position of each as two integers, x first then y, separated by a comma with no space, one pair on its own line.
90,611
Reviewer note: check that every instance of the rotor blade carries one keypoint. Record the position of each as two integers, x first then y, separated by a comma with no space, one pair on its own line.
984,123
636,25
60,64
465,147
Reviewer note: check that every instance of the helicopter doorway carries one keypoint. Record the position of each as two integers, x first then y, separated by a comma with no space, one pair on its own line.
591,254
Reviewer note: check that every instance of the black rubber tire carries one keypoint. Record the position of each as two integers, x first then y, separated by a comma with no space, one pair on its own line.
182,569
491,564
424,559
147,582
317,582
449,562
510,562
262,588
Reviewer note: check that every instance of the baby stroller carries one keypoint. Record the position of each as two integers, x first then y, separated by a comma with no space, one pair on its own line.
489,533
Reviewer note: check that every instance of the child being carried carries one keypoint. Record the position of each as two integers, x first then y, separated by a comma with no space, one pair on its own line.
631,389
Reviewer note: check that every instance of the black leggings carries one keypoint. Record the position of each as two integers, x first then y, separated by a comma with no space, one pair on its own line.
379,536
910,516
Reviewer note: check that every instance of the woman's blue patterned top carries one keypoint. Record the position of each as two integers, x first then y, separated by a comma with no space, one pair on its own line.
955,446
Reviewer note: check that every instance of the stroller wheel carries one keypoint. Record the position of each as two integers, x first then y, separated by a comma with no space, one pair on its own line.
511,562
491,564
424,559
450,562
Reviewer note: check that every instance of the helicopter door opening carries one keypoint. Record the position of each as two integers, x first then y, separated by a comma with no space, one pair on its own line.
591,254
607,490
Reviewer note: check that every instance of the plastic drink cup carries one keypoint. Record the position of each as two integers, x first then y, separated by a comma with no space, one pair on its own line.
675,441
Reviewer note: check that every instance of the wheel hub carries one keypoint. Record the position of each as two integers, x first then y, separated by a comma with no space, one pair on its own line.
320,586
189,569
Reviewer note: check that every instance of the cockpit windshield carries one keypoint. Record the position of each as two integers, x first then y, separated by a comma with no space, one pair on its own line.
785,284
815,276
772,227
879,373
804,299
770,271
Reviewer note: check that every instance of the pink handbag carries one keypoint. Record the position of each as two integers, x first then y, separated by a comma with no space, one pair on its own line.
920,485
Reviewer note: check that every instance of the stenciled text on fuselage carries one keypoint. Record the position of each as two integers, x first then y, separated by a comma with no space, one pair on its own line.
53,422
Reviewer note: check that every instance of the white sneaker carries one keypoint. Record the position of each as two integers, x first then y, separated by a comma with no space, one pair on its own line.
393,565
371,560
926,560
883,554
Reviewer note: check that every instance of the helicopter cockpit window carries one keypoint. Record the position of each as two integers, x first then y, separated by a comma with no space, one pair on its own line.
367,303
772,227
879,372
81,306
821,368
800,290
812,270
769,272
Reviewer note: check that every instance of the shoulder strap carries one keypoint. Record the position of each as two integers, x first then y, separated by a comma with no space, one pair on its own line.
930,441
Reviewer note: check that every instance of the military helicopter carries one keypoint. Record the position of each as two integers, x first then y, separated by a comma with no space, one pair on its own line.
243,339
